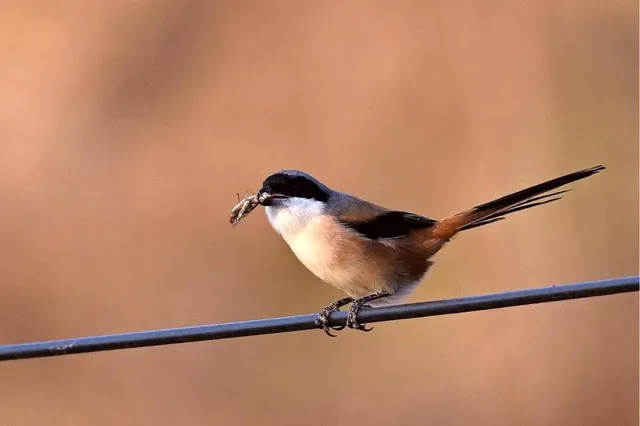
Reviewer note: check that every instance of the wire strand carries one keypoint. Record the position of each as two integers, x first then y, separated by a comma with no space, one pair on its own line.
306,322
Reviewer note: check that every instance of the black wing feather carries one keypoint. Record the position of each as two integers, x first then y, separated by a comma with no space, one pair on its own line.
391,224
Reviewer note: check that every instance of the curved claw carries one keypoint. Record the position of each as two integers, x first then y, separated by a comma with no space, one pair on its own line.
352,320
321,322
338,327
328,332
362,327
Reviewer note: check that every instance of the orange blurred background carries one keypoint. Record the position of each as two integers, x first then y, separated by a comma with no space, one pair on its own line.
126,129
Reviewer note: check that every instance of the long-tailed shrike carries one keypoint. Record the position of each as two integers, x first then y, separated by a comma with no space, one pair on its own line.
375,255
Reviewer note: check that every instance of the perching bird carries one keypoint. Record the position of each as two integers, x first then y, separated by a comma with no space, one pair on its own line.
375,255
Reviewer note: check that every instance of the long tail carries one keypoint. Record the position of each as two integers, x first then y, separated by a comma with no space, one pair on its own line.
496,210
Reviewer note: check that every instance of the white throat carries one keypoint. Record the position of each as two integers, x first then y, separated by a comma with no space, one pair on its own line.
293,214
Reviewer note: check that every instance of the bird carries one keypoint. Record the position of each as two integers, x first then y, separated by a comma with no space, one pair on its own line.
375,255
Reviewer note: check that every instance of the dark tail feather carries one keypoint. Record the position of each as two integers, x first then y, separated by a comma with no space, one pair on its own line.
533,202
495,210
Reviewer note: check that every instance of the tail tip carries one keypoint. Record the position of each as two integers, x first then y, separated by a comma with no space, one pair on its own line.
595,169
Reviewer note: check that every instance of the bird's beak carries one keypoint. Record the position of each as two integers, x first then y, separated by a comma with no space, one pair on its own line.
266,196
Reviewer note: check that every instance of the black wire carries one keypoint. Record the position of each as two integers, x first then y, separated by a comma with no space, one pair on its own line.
306,322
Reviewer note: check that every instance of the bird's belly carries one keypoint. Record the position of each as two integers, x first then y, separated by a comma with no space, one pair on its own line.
340,258
319,254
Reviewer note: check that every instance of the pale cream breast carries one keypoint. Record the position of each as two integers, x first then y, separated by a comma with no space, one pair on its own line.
313,246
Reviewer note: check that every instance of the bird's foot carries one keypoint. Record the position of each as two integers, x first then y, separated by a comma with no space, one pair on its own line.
352,320
322,321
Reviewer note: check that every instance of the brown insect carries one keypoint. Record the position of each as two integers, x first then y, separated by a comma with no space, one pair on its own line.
246,206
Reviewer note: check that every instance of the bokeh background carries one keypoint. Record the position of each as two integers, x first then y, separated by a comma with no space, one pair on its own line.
127,128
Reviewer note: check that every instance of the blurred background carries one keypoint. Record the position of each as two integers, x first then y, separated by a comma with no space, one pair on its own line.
127,128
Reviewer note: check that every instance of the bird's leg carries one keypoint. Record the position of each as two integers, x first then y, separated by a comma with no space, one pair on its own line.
352,321
323,317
